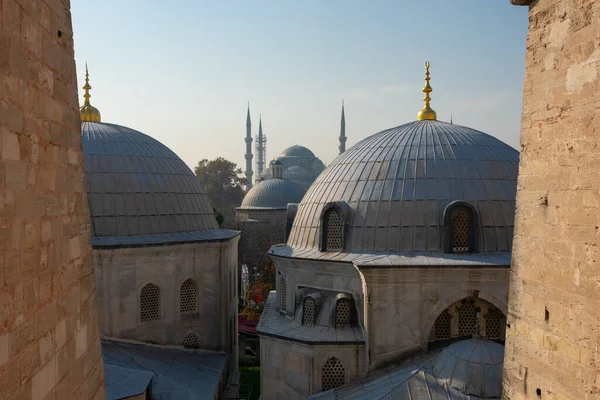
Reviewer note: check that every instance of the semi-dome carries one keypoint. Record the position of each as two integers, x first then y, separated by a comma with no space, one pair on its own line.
273,193
296,172
138,189
473,367
397,183
297,151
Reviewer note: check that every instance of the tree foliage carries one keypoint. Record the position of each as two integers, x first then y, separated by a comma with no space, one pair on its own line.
224,185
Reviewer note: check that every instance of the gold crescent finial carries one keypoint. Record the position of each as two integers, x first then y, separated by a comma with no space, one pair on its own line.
427,112
87,112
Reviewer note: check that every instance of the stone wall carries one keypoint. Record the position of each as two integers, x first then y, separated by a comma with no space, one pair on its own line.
49,341
554,335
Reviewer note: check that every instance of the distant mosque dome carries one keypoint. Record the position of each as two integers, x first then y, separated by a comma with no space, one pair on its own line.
296,172
472,367
138,186
273,193
297,151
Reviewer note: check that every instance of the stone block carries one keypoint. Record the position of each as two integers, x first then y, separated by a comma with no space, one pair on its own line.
44,380
11,150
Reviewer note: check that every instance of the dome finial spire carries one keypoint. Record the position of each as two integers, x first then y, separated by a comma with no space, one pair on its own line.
87,112
427,112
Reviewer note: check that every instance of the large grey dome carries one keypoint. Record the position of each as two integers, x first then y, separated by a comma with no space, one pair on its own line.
297,151
473,367
139,189
398,182
273,193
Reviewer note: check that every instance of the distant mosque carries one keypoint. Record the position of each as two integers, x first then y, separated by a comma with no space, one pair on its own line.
268,209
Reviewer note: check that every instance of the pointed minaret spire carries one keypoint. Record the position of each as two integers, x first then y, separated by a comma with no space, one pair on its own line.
342,146
260,149
249,156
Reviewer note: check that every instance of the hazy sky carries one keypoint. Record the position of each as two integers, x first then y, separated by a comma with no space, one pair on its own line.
183,71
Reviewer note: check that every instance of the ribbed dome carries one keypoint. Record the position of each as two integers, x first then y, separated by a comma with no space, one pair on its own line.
473,367
273,193
398,182
297,151
138,186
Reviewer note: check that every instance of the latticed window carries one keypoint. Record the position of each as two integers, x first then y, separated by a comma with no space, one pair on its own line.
494,324
461,230
332,231
342,313
441,328
191,340
283,287
334,374
188,297
467,318
308,312
150,302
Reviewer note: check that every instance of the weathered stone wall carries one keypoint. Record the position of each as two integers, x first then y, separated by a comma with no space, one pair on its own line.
554,335
49,341
291,370
120,275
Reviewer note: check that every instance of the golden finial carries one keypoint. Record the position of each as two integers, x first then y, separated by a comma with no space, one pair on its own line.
87,112
426,112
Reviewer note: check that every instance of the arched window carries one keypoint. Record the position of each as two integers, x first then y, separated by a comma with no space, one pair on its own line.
333,375
332,230
150,302
342,313
283,287
494,324
467,318
441,328
308,312
461,230
188,297
191,341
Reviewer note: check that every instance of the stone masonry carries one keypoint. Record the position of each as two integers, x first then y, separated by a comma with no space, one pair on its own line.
49,341
553,332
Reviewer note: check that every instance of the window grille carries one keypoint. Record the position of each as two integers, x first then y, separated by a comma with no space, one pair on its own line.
442,326
150,302
188,297
467,318
283,287
461,226
308,312
191,341
334,374
342,313
332,230
494,324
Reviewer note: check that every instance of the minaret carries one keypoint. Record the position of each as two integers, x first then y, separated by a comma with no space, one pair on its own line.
260,148
342,146
426,112
248,150
87,112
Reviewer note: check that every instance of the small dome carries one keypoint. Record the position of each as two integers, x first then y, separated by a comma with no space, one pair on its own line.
297,151
273,193
296,172
88,112
137,186
473,367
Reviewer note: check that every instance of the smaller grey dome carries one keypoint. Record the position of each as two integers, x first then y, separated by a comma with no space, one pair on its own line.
297,151
273,193
296,172
472,367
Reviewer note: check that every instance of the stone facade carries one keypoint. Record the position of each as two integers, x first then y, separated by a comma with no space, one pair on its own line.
49,341
554,335
122,273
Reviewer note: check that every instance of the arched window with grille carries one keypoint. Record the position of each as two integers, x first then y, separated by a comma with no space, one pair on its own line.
308,312
343,313
188,297
283,295
441,328
494,324
150,302
332,234
191,341
461,236
467,318
333,374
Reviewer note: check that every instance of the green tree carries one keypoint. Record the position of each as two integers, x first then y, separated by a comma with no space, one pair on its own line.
224,186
